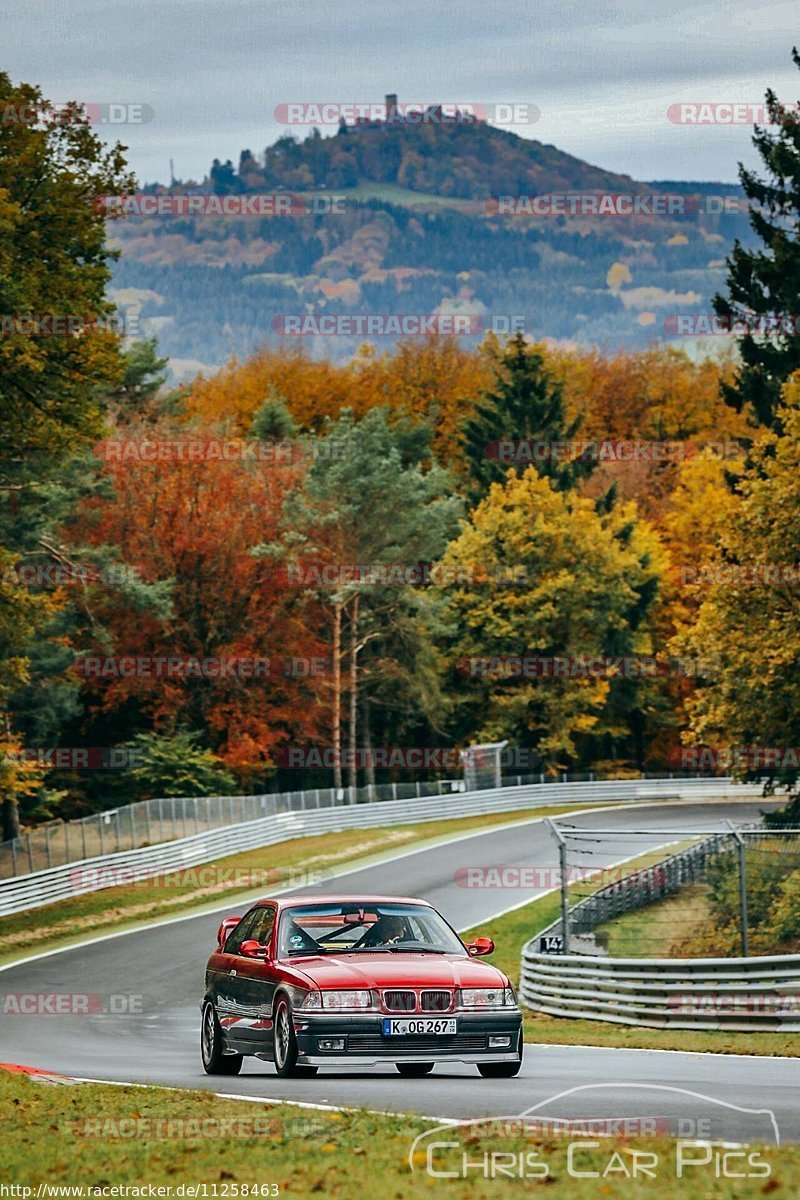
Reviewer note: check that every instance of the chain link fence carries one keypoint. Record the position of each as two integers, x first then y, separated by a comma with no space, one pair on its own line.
719,895
150,822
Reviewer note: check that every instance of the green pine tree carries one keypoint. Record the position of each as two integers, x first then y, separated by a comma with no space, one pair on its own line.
526,404
765,281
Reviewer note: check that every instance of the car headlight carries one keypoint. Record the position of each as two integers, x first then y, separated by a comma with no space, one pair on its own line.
498,997
339,1000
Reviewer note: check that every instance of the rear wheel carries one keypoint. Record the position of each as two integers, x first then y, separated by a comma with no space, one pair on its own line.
414,1070
503,1070
212,1046
285,1043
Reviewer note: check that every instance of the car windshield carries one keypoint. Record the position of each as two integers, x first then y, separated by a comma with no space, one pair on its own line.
356,928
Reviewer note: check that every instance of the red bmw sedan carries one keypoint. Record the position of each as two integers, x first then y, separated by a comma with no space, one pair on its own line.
307,982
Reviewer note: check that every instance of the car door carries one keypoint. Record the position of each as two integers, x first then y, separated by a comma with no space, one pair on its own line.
228,986
255,985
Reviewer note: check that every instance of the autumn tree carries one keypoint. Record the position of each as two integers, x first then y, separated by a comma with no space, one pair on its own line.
372,498
561,581
55,353
191,525
749,617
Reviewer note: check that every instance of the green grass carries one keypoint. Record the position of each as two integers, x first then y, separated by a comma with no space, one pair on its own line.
654,931
104,1137
512,931
393,193
251,873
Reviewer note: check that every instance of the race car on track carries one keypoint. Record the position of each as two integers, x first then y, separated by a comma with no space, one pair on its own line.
307,982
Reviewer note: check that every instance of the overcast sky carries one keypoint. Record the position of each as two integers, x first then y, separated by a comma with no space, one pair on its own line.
603,75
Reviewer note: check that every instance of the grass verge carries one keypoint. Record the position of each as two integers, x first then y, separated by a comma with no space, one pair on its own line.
510,932
262,870
98,1137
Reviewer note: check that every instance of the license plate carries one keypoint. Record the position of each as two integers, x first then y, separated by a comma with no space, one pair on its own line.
426,1026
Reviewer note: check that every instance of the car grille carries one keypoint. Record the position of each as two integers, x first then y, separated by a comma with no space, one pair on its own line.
400,1001
436,1001
370,1042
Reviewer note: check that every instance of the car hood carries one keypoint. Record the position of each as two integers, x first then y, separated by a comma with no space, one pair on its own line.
398,970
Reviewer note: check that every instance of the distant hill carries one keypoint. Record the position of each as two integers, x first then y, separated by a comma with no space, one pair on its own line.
415,231
460,161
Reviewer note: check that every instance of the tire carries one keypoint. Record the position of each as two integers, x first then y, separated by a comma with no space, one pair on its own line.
414,1070
212,1046
284,1044
503,1070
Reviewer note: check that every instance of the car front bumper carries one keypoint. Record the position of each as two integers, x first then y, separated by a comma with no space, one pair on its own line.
365,1043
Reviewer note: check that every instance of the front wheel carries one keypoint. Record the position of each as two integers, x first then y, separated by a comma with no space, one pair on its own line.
285,1043
414,1070
503,1070
212,1046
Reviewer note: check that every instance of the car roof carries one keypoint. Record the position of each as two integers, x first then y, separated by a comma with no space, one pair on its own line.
291,901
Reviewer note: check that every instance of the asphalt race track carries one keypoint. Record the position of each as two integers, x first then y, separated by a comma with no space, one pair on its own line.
163,966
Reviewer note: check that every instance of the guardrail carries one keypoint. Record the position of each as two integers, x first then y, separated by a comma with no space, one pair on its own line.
150,822
95,873
693,993
759,993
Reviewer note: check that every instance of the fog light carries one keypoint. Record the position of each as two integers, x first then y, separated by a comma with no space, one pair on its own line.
330,1043
495,1043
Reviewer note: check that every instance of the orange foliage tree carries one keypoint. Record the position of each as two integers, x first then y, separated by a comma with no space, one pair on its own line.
195,524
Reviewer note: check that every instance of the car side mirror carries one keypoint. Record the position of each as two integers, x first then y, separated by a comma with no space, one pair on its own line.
225,928
481,945
252,949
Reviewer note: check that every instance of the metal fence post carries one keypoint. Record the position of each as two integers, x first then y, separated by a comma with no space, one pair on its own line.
743,894
562,858
742,848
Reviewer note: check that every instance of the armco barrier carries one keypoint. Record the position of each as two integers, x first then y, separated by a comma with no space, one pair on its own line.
24,892
757,993
692,993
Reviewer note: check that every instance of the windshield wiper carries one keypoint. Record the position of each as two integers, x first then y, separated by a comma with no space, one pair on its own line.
307,950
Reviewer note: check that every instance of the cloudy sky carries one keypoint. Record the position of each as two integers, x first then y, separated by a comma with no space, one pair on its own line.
602,75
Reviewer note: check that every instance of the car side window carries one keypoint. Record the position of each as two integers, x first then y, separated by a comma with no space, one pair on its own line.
263,926
241,932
